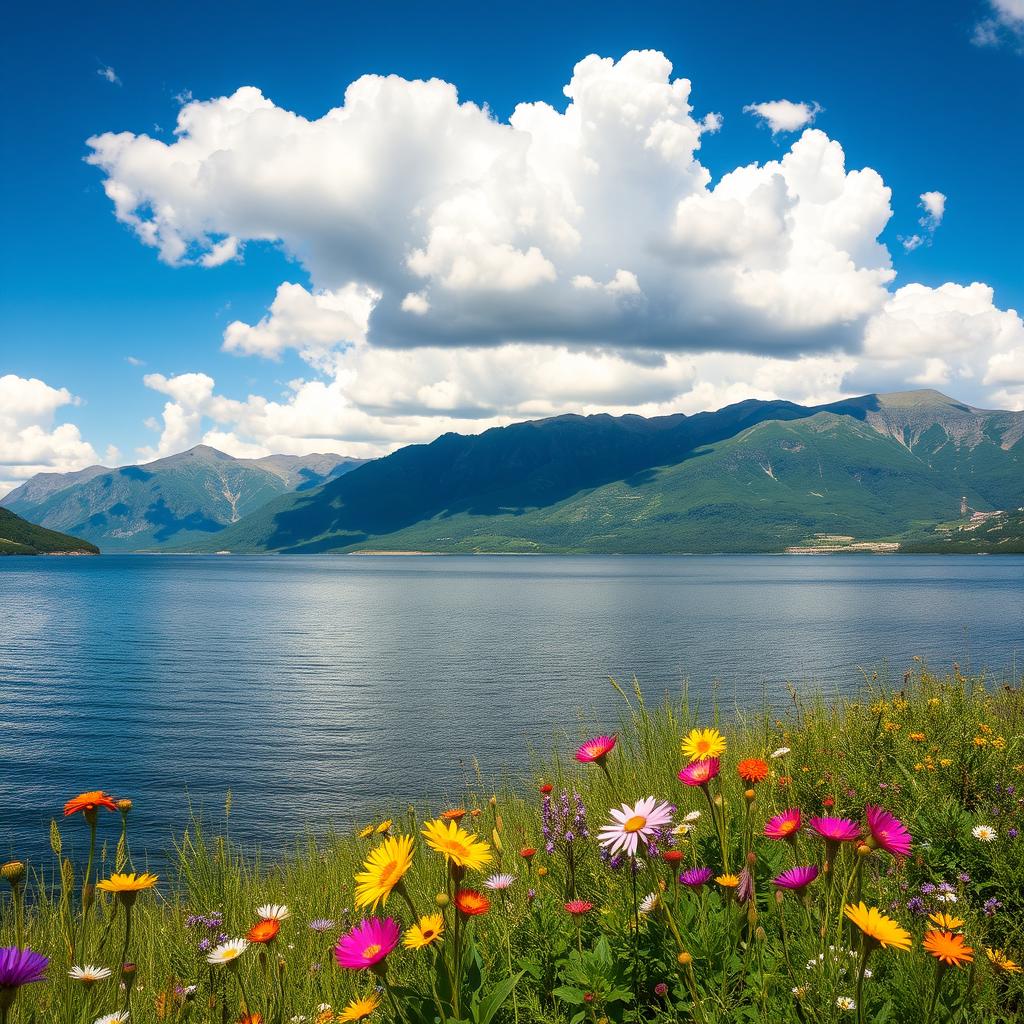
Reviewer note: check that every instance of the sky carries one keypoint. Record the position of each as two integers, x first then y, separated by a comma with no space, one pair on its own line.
348,227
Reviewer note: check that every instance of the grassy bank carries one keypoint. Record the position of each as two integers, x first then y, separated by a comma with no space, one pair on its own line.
584,933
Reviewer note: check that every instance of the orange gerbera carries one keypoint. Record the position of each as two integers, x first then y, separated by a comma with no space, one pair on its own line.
89,803
471,903
263,931
947,947
455,814
753,770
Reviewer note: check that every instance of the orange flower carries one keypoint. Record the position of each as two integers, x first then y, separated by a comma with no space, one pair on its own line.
947,947
752,770
89,802
471,903
453,815
251,1018
263,931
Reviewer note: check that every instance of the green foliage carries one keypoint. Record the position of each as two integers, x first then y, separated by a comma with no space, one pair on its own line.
20,537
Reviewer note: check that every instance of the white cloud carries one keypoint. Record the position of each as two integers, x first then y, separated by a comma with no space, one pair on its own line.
1003,25
108,74
465,272
30,442
784,115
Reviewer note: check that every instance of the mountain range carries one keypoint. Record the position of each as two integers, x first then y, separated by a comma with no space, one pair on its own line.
754,476
179,500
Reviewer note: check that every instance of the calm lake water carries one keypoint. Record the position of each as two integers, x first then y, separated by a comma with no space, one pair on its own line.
318,688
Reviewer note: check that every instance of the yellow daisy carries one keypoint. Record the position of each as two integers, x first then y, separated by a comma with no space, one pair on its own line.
1001,962
357,1009
876,928
703,743
384,826
457,845
366,832
947,921
382,870
425,932
124,884
728,881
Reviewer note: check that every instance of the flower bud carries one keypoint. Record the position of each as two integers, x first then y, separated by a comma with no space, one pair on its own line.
661,990
748,795
541,872
493,801
13,872
685,959
441,899
751,858
124,806
863,850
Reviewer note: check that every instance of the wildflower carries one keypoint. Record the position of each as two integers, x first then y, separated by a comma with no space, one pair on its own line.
694,878
916,737
471,903
887,832
986,833
227,952
752,770
383,869
700,773
630,825
785,825
1001,962
366,832
358,1008
661,990
690,817
88,974
546,788
367,944
18,967
836,830
980,741
118,1017
127,887
728,882
596,750
13,873
703,743
273,912
321,925
384,826
991,906
425,932
846,1003
946,921
916,906
89,803
264,931
455,814
579,907
781,752
876,928
797,878
672,856
527,852
649,903
456,845
947,947
499,882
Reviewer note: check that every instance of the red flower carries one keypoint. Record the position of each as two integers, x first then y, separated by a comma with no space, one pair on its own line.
264,931
579,907
527,852
828,802
546,788
672,856
471,903
89,802
752,770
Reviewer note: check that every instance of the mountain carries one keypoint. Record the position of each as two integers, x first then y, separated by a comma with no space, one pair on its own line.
985,533
181,499
20,537
756,476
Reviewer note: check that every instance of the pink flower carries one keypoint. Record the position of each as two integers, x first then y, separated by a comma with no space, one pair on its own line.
696,877
784,825
887,832
836,830
367,943
796,878
700,773
631,825
579,907
596,749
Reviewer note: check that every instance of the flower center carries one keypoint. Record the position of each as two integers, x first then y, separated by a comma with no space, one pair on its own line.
428,934
371,951
388,872
635,823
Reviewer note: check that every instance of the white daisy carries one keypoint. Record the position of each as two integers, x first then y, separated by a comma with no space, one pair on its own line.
946,897
87,974
648,903
227,951
273,912
781,752
499,882
692,816
845,1003
113,1018
986,833
631,825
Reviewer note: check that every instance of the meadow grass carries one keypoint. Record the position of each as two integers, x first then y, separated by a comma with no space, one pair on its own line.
943,755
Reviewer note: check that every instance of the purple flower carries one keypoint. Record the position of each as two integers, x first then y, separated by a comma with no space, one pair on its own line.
796,878
696,877
564,821
745,890
20,967
927,888
916,905
946,887
991,906
1012,833
964,877
321,925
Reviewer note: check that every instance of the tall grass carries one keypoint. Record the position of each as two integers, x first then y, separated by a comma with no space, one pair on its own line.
943,755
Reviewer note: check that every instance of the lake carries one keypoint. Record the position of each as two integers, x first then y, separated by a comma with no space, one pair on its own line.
318,688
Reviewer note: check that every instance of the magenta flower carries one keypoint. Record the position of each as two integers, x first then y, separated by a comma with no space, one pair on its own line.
596,749
579,907
796,878
887,832
20,967
696,877
700,773
784,825
367,943
836,830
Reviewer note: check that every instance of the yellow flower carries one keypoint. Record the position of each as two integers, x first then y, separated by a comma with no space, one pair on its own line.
980,741
986,729
877,928
891,727
359,1008
934,702
382,870
999,743
118,883
1001,962
947,921
425,932
703,743
728,881
456,844
917,737
945,761
366,832
384,826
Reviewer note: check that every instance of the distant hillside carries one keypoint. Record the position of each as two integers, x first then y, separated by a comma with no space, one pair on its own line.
757,476
20,537
180,499
990,533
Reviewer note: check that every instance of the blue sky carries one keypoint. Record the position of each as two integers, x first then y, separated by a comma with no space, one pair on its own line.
916,91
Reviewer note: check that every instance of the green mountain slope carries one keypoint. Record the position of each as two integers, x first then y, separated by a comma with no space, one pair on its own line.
180,499
985,533
753,477
20,537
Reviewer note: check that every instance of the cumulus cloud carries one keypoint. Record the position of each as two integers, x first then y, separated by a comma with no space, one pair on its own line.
108,74
465,271
934,206
784,115
1003,25
30,441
